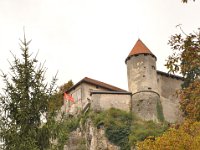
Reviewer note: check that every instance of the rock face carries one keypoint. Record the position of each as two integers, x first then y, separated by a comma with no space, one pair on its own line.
89,138
76,141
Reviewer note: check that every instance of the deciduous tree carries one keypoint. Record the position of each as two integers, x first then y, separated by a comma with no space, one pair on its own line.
187,137
66,86
186,61
185,1
57,97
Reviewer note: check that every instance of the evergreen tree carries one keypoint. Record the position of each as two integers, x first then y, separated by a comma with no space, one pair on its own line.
57,98
27,123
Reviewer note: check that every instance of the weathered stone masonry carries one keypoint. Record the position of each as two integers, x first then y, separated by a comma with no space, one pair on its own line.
152,93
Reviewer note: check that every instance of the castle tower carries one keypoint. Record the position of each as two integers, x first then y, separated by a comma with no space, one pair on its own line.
142,82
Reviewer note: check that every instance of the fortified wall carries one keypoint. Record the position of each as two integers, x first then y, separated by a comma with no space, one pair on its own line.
152,93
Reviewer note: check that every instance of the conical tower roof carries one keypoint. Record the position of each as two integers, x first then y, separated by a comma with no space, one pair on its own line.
139,48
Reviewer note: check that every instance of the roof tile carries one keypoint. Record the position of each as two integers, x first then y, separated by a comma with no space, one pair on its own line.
140,48
97,83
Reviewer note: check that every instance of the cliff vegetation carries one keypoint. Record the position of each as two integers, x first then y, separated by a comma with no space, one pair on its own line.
120,128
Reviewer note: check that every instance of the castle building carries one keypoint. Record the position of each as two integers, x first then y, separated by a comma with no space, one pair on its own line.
152,93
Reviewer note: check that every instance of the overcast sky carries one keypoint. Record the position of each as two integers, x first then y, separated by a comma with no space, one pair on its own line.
92,38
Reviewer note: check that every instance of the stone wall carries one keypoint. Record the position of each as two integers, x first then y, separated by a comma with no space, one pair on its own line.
168,87
87,88
82,96
141,72
171,110
84,90
89,138
103,100
142,103
145,105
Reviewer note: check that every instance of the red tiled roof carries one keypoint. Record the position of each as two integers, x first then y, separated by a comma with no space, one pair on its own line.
97,83
140,48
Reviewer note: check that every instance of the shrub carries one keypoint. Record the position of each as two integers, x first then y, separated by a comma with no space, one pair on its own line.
141,130
187,136
125,129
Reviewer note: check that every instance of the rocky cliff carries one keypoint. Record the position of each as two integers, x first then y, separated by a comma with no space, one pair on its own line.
112,129
88,137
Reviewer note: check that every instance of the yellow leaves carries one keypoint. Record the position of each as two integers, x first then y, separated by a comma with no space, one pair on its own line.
186,60
186,137
190,100
185,56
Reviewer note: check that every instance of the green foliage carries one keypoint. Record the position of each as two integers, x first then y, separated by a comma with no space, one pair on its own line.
190,100
85,116
141,130
117,127
57,97
56,101
66,86
97,118
28,108
118,135
185,137
63,129
24,101
125,129
185,60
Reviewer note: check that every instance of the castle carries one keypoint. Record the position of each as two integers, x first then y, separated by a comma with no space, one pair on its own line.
152,93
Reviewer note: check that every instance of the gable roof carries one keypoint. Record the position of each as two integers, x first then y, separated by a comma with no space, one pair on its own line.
97,83
139,48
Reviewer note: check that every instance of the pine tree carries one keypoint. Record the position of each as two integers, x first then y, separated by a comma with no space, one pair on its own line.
27,123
